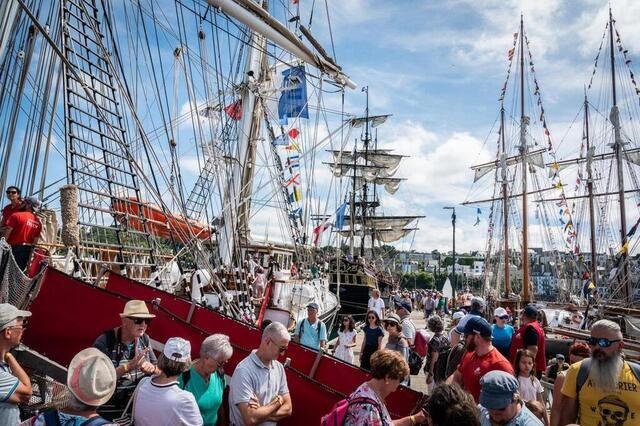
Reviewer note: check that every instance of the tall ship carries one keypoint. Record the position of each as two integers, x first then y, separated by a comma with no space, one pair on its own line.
557,216
163,137
365,171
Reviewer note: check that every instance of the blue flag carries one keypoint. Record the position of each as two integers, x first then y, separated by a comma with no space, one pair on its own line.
293,101
340,216
281,140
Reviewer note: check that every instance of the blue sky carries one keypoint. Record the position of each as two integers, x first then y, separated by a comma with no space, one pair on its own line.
439,66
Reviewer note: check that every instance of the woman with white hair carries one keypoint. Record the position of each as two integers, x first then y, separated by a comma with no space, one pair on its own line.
205,378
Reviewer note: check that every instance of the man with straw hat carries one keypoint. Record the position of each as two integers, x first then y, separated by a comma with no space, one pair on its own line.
91,381
129,349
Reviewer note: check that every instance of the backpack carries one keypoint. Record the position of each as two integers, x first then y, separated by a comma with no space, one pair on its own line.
338,413
113,337
583,373
421,342
415,362
440,369
302,328
51,418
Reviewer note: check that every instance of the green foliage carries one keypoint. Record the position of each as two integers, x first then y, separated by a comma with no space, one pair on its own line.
418,279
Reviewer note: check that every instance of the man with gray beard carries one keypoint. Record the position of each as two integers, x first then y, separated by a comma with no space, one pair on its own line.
603,390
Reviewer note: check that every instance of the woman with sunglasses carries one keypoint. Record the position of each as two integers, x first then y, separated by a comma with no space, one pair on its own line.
502,332
372,341
205,378
346,339
15,204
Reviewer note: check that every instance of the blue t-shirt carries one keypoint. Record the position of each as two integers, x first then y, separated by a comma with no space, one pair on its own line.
311,338
501,338
371,335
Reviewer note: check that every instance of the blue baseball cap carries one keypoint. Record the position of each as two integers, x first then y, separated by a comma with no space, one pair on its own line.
477,325
400,304
497,389
313,305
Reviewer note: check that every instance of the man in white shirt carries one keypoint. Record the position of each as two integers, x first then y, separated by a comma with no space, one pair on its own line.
376,303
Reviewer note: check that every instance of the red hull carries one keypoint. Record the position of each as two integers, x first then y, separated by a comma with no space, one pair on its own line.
69,314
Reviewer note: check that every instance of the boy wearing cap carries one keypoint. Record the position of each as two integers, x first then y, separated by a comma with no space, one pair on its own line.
481,357
501,332
500,403
15,386
22,230
311,332
128,347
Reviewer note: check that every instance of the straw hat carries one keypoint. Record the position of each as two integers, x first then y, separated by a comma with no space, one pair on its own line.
91,377
136,309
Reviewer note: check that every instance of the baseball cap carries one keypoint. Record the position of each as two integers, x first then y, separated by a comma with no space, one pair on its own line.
560,356
400,304
91,377
458,315
530,311
313,305
8,313
177,349
33,202
477,302
497,389
477,325
500,312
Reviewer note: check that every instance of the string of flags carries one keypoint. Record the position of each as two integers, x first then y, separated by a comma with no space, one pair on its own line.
538,96
595,64
627,62
478,213
510,54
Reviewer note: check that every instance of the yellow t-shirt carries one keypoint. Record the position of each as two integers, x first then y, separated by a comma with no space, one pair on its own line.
597,408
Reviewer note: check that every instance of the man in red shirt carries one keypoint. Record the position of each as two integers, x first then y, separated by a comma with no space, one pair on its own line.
481,357
22,231
15,204
530,336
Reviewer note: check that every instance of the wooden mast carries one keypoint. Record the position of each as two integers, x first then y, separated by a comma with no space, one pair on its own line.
505,207
524,120
592,216
614,117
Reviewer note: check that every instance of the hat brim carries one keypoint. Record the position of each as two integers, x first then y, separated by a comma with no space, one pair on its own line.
137,315
23,314
495,402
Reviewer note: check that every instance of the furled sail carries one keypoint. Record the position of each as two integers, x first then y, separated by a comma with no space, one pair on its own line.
375,120
534,157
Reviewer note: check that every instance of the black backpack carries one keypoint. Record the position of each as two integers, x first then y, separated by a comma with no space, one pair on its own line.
440,369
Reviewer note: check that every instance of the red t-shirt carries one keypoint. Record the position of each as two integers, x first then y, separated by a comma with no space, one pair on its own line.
26,228
473,367
8,210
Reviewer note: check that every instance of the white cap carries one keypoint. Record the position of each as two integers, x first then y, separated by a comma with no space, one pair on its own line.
177,349
500,312
458,315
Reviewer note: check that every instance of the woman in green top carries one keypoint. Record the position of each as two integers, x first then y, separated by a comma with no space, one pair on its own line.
205,378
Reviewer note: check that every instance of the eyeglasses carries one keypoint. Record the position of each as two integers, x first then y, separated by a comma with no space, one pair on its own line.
601,341
281,349
138,321
221,363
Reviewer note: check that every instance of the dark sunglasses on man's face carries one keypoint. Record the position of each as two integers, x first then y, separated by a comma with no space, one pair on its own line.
12,192
138,321
601,341
505,317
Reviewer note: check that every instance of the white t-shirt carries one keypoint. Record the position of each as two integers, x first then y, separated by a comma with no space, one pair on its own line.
529,388
376,305
165,405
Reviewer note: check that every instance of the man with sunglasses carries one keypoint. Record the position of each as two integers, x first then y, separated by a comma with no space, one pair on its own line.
603,389
15,386
258,391
128,346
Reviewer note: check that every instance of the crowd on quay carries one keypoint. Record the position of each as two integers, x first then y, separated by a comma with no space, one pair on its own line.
121,378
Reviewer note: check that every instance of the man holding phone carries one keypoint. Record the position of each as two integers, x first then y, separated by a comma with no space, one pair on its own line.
128,347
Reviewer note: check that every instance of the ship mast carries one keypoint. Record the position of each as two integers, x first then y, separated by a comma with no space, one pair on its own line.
592,216
505,206
524,120
363,207
614,117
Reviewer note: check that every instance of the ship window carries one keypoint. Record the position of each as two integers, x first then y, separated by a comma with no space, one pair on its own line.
358,279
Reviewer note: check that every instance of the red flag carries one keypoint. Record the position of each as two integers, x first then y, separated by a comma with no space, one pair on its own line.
234,110
295,1
293,133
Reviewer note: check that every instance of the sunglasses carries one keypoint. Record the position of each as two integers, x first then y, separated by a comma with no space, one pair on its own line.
602,342
281,349
12,192
504,317
138,321
371,317
345,320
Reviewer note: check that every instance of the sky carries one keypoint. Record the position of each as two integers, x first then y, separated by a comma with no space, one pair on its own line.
438,68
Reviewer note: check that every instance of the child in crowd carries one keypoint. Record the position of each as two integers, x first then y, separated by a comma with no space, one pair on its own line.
346,339
530,388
